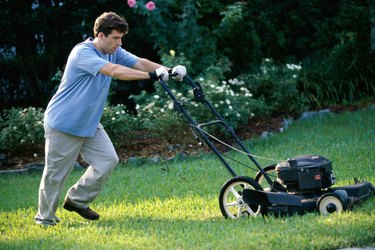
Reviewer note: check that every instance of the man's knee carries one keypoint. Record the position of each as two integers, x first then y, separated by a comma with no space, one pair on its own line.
115,160
111,161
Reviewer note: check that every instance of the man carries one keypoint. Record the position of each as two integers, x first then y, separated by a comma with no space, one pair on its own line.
72,117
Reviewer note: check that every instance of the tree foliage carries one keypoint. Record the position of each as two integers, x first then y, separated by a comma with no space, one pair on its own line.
331,39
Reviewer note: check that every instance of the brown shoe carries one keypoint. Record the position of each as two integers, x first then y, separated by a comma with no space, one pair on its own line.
86,213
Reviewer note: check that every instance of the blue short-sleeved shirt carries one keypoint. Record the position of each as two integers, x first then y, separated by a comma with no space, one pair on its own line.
77,106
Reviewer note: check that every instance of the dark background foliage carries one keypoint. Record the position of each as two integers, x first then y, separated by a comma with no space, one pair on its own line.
333,40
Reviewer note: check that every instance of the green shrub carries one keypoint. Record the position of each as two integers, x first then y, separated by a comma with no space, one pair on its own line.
340,76
277,86
117,121
21,129
230,98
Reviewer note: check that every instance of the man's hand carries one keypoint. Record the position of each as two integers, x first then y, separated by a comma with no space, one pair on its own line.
161,73
180,71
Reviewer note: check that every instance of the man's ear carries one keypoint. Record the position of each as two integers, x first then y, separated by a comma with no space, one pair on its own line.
101,35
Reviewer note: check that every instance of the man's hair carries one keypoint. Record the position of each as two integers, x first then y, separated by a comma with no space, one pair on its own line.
109,21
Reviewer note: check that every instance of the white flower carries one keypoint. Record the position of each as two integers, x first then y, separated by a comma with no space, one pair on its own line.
137,106
35,155
117,113
14,128
220,89
162,110
293,66
227,101
235,81
113,118
170,105
122,112
150,105
156,96
230,107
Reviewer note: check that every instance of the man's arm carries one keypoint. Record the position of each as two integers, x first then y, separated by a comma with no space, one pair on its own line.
147,66
124,73
140,70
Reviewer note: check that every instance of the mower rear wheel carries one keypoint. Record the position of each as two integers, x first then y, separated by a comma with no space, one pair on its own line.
259,177
231,201
329,204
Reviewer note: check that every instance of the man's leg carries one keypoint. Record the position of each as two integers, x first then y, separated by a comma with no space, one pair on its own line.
61,152
99,153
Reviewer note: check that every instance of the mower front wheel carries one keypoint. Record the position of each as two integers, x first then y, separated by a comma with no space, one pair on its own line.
330,203
231,201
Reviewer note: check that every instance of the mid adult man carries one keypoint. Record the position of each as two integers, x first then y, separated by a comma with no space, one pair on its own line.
72,117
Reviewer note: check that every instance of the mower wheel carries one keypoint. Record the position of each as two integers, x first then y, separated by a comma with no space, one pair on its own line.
230,199
259,177
330,203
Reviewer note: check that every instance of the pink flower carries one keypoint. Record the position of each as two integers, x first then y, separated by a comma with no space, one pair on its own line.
150,5
132,3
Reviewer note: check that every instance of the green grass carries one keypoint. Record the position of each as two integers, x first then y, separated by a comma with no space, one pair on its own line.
175,205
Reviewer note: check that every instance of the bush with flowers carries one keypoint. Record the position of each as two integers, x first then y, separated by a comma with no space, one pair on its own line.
277,85
230,98
274,89
117,120
21,129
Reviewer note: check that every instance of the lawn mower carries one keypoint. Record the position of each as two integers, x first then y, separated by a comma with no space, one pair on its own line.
295,186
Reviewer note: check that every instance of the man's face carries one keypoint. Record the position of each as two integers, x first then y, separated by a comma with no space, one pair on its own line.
110,43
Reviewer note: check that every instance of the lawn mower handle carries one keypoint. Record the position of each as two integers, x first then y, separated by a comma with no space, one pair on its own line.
199,96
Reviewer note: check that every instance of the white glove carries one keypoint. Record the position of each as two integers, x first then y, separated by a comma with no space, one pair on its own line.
162,73
180,71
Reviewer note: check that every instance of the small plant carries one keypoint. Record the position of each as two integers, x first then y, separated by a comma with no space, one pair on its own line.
21,129
277,86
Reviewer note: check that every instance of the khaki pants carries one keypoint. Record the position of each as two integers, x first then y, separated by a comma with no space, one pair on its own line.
61,152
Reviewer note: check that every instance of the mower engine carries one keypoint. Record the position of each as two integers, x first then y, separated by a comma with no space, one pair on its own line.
302,174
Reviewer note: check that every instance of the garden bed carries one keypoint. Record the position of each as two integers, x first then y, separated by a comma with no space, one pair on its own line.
143,145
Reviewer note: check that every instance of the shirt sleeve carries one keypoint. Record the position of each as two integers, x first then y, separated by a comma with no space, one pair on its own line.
125,58
89,61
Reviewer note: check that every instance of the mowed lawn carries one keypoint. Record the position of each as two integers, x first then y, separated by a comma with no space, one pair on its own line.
174,205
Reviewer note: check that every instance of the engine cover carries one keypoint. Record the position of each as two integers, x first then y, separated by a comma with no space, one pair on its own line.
305,173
